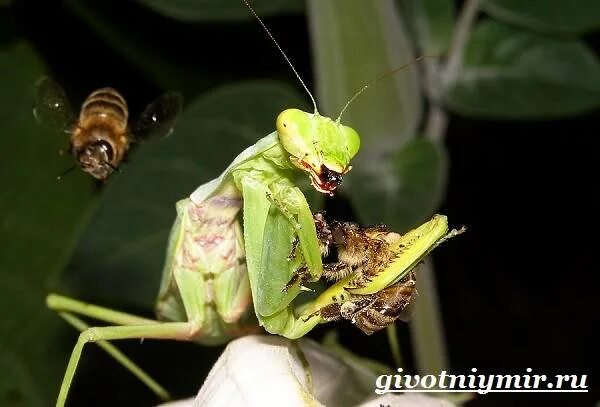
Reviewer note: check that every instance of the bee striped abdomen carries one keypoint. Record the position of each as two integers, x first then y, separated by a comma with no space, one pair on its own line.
386,306
105,104
101,138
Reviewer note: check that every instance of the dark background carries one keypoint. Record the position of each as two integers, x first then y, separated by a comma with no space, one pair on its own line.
518,290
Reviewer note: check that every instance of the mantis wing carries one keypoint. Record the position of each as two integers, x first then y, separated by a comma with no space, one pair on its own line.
205,190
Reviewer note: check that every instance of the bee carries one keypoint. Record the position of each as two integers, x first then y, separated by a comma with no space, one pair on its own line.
101,136
361,254
373,312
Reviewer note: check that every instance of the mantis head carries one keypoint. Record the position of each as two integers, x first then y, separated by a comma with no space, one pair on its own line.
319,146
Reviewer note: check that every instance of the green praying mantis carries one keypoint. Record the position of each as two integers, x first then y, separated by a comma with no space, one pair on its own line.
215,267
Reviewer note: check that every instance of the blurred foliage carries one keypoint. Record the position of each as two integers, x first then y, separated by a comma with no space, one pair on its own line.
210,10
433,22
515,71
523,75
40,224
576,16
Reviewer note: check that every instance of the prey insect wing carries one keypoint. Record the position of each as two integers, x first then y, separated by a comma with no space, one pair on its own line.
51,106
158,118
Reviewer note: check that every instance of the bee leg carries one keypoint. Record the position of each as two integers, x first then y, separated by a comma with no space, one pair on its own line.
351,308
331,312
336,271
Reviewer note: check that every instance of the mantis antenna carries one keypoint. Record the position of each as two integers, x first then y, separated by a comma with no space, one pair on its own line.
382,77
282,53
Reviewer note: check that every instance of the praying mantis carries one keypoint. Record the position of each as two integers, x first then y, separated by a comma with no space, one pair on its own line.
216,268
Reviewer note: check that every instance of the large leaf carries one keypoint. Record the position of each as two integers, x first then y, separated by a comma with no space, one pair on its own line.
354,43
515,74
40,219
220,9
573,16
120,258
434,24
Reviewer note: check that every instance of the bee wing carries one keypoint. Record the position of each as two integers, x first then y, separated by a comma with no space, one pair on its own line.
158,119
408,311
51,106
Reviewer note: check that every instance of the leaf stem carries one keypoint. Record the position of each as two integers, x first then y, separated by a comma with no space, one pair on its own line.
392,334
437,78
459,41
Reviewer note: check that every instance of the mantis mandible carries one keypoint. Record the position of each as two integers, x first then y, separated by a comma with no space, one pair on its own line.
214,267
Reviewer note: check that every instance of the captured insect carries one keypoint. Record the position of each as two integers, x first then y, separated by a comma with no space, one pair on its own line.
375,281
363,253
374,312
100,137
216,268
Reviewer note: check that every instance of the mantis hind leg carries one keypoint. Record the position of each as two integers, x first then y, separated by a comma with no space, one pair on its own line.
167,330
121,358
68,307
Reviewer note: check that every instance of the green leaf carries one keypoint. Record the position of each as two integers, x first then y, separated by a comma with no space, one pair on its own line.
434,24
574,16
195,10
124,246
406,191
510,73
354,43
40,221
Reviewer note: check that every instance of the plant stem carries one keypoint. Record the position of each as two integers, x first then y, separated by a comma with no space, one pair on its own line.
426,331
437,78
459,41
392,334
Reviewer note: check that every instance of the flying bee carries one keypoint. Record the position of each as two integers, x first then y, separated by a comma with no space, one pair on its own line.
101,136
